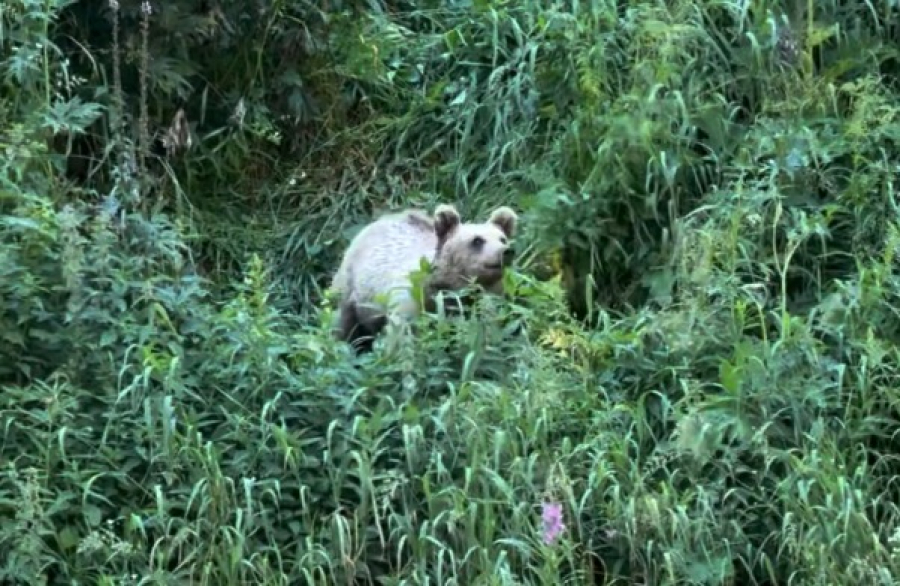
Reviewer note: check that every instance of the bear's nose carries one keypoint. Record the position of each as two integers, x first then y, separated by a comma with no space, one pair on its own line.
508,256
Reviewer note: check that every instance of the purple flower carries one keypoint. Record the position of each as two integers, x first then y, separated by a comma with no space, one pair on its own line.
552,518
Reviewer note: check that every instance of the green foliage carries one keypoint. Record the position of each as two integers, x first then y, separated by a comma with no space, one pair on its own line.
696,359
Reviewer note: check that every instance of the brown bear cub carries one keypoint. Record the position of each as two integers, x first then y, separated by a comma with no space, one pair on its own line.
373,280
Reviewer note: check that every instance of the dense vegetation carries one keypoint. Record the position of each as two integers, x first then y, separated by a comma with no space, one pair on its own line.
693,381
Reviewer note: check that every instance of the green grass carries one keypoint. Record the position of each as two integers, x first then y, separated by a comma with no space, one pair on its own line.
696,362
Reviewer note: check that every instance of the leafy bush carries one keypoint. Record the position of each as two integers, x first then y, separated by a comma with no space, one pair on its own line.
691,381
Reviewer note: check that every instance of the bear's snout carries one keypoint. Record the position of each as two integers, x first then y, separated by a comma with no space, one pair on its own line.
503,259
508,255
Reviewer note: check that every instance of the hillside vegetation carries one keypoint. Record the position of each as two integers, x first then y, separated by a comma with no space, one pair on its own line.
693,381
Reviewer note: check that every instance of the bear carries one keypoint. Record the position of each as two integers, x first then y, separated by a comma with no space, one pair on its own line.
373,283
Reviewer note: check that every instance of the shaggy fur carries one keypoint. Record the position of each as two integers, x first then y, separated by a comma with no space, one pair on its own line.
381,258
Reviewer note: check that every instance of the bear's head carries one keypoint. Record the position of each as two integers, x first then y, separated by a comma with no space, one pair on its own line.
472,251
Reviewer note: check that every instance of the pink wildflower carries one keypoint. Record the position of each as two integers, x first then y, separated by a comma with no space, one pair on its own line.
552,518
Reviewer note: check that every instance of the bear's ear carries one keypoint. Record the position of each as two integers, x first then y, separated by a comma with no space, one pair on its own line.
446,219
505,219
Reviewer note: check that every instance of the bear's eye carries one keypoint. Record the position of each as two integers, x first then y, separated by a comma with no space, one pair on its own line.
477,242
503,240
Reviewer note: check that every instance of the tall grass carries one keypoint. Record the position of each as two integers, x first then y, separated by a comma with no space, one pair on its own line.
692,381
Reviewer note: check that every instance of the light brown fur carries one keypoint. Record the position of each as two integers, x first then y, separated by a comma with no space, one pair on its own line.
385,253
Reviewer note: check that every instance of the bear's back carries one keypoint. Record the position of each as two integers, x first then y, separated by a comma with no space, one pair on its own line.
384,253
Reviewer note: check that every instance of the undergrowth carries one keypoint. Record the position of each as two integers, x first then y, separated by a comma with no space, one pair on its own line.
691,380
